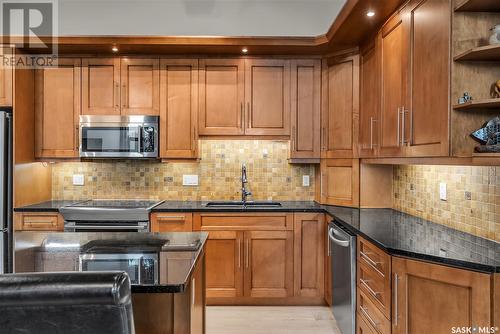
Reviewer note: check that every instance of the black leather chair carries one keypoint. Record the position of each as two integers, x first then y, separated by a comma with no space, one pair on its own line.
66,303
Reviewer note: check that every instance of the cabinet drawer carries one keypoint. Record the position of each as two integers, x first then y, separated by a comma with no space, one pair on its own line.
221,222
39,222
171,222
362,326
375,287
370,313
375,258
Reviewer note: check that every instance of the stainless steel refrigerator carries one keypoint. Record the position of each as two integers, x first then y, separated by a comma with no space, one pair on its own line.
6,180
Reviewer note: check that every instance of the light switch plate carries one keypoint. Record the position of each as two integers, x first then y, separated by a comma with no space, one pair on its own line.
78,180
189,180
442,191
305,181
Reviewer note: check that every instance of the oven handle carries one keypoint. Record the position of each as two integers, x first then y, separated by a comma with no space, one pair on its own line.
107,227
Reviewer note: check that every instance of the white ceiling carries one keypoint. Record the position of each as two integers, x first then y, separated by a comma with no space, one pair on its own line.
197,17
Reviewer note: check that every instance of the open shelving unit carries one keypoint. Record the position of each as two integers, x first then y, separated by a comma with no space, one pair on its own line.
481,53
480,104
478,6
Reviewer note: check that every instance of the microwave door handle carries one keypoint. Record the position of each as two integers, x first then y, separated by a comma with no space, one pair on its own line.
140,138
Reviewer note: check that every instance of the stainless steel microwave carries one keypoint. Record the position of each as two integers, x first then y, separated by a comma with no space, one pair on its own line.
119,136
142,268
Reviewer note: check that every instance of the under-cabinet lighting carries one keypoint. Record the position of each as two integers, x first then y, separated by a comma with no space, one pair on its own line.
244,50
114,49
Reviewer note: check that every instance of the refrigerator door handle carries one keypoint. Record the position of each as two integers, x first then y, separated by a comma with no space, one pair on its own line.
3,170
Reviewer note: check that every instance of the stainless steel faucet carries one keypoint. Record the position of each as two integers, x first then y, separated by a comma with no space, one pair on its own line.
244,192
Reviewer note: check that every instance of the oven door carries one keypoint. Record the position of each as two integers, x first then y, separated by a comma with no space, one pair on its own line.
105,226
141,268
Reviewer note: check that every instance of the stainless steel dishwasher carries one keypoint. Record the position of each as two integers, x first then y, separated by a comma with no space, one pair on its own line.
342,251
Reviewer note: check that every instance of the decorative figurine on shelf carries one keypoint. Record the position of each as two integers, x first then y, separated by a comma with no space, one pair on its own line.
495,37
488,136
495,90
465,98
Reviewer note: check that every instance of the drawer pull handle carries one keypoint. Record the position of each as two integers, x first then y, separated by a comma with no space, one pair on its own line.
51,222
365,283
371,262
365,313
176,218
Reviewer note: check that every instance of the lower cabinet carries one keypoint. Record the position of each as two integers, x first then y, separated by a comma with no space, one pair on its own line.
430,298
38,221
171,222
328,263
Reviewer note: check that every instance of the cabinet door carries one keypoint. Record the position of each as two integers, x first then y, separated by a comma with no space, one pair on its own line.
426,127
430,298
267,95
6,75
370,102
268,264
222,94
305,109
340,182
224,264
57,109
179,108
100,86
341,107
308,244
140,91
392,45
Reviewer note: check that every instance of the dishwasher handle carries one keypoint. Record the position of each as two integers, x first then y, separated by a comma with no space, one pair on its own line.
331,235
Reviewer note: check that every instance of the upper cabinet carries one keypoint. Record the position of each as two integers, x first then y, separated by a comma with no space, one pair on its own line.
305,109
101,86
179,108
425,128
114,86
140,82
405,112
340,107
6,76
57,108
267,96
222,94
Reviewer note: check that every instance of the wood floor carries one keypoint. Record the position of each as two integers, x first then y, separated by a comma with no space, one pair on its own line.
270,319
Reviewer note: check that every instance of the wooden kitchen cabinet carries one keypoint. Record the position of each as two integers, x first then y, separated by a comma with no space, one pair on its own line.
171,222
425,127
393,44
308,244
224,264
179,108
140,86
6,78
38,221
222,96
339,182
328,262
268,264
340,107
369,120
101,86
57,109
305,109
430,298
267,97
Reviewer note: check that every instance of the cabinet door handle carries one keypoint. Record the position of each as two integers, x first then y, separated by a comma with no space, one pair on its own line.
324,138
364,310
77,138
403,130
398,127
249,115
396,306
117,93
124,95
410,139
247,250
293,138
195,138
242,114
193,291
239,253
370,290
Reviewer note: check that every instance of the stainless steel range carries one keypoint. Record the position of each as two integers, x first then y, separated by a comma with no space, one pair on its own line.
108,216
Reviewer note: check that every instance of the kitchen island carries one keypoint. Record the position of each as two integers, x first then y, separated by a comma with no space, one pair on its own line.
167,270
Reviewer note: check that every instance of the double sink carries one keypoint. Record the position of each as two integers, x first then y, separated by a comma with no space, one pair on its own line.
236,204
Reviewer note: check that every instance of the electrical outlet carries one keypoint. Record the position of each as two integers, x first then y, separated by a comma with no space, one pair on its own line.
305,181
468,195
189,180
442,191
78,180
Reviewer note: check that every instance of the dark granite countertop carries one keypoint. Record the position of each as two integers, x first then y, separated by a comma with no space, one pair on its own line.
396,232
47,206
179,253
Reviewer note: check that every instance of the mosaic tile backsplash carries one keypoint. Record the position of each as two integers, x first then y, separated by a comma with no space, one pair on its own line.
473,196
270,175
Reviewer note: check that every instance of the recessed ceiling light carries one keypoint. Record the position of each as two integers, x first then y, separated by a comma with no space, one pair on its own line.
244,50
114,49
370,13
